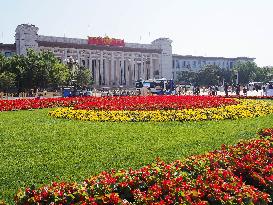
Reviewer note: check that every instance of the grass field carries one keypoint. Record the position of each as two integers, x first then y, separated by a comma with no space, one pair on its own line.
37,149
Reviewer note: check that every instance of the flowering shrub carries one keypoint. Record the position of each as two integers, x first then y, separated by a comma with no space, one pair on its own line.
240,174
154,103
119,103
246,108
250,97
26,104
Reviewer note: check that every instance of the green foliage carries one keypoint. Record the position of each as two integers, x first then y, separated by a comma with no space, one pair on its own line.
84,77
187,76
264,74
209,75
35,70
246,72
7,81
78,75
37,149
214,75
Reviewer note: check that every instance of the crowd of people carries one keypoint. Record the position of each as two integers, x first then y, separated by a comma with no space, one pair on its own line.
212,90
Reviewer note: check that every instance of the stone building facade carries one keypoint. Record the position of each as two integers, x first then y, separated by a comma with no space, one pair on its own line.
113,65
196,63
7,50
110,65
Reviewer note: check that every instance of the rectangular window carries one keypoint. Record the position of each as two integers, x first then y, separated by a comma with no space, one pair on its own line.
7,54
177,64
231,64
194,64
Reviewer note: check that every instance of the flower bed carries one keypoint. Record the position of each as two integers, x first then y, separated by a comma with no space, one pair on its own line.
251,97
118,103
35,103
155,103
240,174
246,108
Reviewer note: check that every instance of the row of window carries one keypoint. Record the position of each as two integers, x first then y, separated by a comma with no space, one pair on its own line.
199,63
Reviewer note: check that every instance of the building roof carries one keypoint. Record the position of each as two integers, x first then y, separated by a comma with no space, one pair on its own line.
93,47
10,47
210,58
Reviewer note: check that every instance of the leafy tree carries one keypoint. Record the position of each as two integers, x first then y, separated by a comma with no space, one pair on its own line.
209,75
84,77
225,76
7,81
2,62
79,75
186,76
246,72
263,74
58,75
35,70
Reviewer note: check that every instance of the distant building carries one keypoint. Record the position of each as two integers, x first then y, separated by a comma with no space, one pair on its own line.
196,63
7,49
113,62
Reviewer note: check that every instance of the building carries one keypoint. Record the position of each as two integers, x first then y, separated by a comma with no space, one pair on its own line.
111,61
7,50
114,62
196,63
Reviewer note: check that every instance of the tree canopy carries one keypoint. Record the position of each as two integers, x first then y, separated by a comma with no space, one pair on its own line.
214,75
40,70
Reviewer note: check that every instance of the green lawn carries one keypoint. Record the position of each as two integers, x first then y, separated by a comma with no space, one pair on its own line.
35,148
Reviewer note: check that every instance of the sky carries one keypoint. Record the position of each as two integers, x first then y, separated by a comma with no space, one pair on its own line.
222,28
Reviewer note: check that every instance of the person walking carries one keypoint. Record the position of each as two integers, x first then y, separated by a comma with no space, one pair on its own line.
245,91
238,89
226,89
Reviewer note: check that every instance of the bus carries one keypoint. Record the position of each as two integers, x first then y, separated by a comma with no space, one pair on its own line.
157,86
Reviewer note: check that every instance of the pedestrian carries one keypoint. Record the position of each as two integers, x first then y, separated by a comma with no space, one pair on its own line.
245,91
264,90
226,89
238,89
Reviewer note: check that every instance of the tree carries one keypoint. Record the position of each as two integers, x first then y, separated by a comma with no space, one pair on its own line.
2,62
263,74
209,75
79,75
7,81
35,70
246,72
84,77
58,75
186,76
225,76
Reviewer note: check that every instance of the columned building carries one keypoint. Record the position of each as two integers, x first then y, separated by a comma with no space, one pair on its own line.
114,62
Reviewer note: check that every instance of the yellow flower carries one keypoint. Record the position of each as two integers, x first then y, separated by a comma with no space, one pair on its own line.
245,109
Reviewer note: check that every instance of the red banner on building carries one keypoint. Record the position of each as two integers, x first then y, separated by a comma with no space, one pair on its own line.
106,41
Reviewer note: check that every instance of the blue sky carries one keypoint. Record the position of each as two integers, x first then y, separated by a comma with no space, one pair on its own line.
228,28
